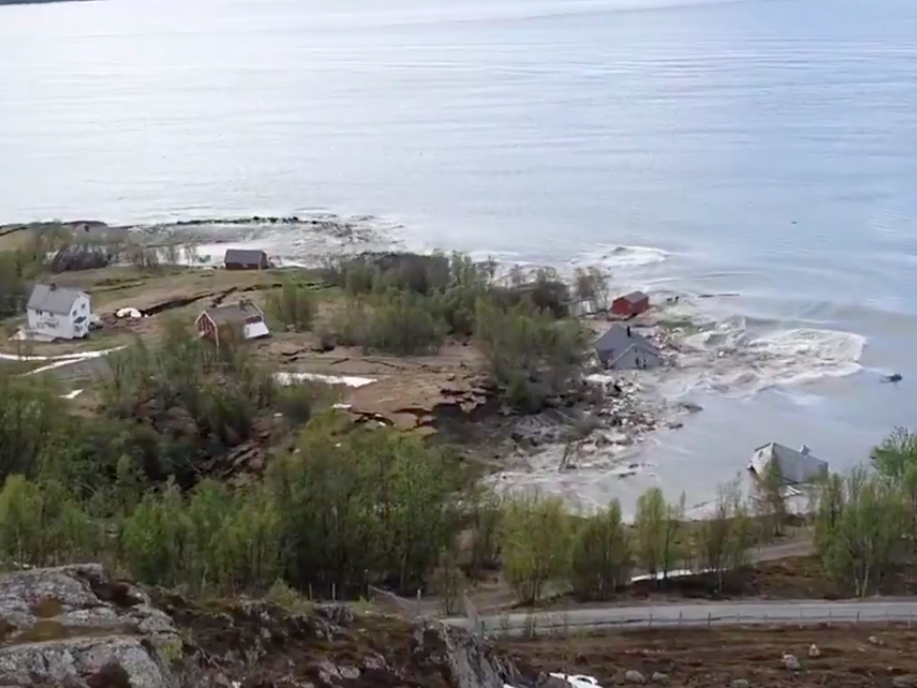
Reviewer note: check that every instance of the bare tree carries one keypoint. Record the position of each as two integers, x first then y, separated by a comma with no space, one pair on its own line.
591,284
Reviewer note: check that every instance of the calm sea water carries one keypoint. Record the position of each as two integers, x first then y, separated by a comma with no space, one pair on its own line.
766,148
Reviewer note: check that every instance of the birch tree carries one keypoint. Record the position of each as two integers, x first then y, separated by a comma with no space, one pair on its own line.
656,527
649,526
770,500
723,540
858,529
601,560
535,544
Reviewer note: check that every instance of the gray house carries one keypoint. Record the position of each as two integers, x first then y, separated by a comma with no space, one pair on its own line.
796,466
620,348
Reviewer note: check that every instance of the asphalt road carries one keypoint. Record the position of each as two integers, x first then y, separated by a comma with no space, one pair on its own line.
697,615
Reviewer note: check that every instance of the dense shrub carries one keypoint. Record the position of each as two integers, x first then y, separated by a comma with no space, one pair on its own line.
532,358
17,270
402,324
294,308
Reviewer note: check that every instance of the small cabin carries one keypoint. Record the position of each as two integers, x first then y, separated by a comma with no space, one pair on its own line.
629,305
620,348
245,259
58,313
245,315
584,308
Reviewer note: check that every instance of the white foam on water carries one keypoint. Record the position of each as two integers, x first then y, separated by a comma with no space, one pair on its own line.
303,243
623,257
740,356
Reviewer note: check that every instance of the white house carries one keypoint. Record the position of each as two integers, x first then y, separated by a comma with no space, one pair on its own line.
797,467
58,313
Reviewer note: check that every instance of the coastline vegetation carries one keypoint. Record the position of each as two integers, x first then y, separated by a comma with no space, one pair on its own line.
145,481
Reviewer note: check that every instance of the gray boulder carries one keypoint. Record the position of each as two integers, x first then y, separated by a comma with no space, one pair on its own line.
471,662
75,626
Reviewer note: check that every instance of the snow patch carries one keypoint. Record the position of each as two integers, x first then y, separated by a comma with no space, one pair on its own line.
348,380
60,361
578,680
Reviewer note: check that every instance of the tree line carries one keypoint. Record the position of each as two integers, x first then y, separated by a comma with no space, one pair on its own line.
409,304
353,507
348,507
546,550
866,520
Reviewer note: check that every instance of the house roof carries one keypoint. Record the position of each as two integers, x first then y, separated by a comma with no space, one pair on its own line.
796,466
634,297
619,338
245,256
233,313
57,300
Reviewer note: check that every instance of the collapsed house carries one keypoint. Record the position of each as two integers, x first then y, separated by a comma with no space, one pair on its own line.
796,466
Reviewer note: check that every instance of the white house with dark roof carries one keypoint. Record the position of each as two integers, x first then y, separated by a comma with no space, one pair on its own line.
58,313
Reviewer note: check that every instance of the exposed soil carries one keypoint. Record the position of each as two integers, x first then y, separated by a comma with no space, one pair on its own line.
716,657
421,393
426,394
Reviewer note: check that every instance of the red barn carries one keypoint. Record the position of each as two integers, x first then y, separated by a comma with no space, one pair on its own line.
629,305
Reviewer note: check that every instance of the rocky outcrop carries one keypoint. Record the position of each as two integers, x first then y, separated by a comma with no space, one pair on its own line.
76,627
469,661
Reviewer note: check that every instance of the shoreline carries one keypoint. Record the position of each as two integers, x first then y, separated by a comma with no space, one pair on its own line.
625,430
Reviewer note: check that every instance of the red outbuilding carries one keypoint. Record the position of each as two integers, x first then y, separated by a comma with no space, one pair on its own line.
629,305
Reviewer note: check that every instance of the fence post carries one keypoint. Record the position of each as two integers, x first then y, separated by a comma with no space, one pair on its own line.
418,602
858,616
709,619
334,592
680,613
651,619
